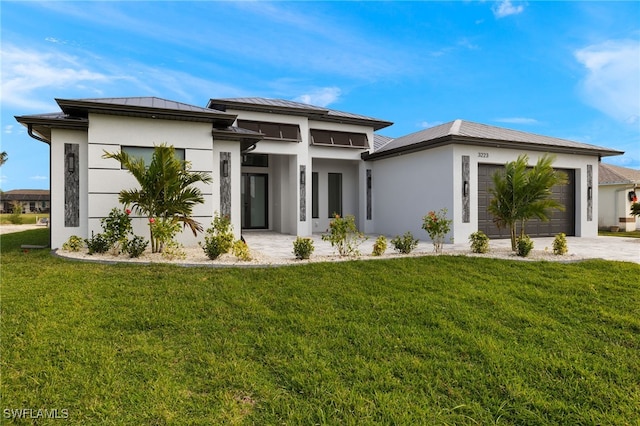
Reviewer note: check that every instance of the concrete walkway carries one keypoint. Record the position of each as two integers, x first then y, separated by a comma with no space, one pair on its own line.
608,248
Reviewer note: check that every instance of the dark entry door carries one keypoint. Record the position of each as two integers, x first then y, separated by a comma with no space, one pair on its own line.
255,206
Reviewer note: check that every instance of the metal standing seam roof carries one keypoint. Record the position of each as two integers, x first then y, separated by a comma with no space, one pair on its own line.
298,108
470,132
609,174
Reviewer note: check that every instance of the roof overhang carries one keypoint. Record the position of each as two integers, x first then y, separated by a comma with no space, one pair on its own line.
82,107
247,138
39,126
489,143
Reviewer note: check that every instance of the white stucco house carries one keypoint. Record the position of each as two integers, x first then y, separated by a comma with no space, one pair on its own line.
287,167
618,188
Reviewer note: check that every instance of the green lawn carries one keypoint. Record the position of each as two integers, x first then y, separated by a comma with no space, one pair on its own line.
433,340
27,218
631,234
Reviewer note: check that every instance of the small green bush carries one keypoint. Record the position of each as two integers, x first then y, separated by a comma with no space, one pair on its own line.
404,244
479,242
116,227
135,246
219,237
344,235
98,243
524,245
380,246
173,250
16,213
74,243
303,248
560,244
241,250
437,226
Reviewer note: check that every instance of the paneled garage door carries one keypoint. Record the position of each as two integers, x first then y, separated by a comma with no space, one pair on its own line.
560,221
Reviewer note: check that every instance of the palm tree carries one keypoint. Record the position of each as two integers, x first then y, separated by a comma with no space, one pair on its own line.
166,190
3,157
521,193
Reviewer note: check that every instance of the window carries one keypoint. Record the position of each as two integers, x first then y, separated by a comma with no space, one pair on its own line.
285,132
346,139
146,152
335,194
255,160
315,199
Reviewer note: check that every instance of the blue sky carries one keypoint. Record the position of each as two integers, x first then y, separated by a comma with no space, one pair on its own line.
564,69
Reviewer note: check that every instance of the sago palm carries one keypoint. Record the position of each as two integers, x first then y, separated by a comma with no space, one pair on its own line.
167,190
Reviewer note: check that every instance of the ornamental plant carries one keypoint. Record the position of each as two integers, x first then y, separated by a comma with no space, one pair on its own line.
404,244
560,244
524,245
164,231
303,248
218,239
380,246
74,243
116,228
437,226
135,246
479,242
344,235
240,249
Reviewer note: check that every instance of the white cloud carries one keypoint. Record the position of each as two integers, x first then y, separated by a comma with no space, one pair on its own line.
612,83
322,97
517,120
37,177
24,72
8,128
429,124
505,8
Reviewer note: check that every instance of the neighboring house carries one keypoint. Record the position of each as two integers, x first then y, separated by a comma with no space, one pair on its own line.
32,200
288,167
618,188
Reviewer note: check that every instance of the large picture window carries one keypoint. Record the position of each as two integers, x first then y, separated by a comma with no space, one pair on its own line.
146,153
335,194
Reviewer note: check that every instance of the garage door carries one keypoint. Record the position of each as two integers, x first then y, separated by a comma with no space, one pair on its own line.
559,221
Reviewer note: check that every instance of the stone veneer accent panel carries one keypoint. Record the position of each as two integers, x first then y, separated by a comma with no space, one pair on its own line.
466,198
225,185
589,188
71,185
303,192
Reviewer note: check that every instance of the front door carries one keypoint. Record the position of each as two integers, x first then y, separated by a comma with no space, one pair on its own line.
254,191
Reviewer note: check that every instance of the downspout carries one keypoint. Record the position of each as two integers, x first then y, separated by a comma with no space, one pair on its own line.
34,136
249,149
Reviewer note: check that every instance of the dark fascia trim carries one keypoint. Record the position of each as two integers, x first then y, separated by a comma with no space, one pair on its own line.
82,108
39,128
448,140
313,113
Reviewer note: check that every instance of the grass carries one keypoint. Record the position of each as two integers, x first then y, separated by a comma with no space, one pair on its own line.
433,340
27,218
630,234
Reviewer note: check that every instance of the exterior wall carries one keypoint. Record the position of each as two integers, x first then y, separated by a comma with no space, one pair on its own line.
59,232
350,191
614,204
407,187
432,179
105,179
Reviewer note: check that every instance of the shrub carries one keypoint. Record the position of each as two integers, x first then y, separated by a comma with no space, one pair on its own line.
240,249
135,246
524,245
404,244
164,232
16,213
437,226
560,244
74,243
98,243
380,246
173,250
219,237
115,228
344,235
303,247
479,242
